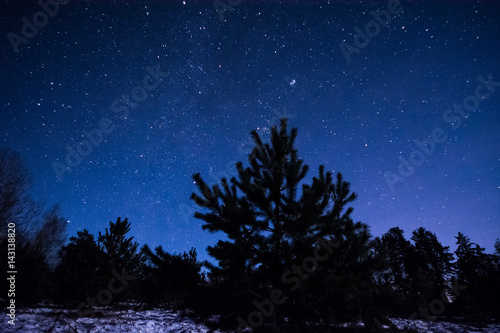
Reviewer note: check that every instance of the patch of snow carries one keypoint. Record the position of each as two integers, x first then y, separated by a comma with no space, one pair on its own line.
442,326
46,319
55,320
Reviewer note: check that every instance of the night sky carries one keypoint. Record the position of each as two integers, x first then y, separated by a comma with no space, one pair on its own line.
176,91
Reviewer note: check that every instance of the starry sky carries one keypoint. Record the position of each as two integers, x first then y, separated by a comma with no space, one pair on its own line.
174,88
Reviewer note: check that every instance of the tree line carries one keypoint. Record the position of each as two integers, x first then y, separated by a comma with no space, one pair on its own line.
290,257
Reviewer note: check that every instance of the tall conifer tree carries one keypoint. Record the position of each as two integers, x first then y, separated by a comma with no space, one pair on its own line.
271,224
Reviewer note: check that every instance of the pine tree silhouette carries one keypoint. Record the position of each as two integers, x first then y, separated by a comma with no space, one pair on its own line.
476,269
434,265
121,252
397,280
170,278
79,273
272,224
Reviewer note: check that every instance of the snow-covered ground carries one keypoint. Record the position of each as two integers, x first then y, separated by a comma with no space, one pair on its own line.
58,320
442,326
160,320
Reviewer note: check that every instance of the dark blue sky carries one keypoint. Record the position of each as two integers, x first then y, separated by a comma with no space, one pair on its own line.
217,80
